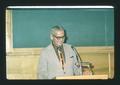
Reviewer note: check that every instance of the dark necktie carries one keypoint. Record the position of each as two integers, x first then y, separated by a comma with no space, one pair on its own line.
61,57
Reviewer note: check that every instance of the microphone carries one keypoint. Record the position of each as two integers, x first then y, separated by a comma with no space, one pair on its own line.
77,55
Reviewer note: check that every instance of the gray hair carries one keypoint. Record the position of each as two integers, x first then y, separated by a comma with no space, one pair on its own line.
56,28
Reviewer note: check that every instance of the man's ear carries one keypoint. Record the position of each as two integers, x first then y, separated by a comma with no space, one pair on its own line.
51,37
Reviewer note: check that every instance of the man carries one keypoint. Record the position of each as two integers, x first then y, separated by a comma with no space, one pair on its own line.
58,59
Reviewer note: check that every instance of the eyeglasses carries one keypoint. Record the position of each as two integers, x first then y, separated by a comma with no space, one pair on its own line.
59,37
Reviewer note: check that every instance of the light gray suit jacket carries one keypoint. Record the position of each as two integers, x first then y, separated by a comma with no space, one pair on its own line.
49,66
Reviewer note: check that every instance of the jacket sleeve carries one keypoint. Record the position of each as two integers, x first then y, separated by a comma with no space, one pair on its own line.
42,66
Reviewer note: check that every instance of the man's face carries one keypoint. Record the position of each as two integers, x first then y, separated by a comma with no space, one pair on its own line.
58,38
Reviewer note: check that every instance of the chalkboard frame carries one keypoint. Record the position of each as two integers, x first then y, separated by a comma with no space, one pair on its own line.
10,33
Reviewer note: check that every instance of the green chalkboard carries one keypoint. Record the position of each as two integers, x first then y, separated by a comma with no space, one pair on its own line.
84,26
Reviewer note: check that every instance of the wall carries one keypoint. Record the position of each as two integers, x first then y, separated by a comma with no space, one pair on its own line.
23,63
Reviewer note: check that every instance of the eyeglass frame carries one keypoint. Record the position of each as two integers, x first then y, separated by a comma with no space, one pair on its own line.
63,37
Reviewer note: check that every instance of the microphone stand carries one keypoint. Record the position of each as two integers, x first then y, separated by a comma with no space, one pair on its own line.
79,60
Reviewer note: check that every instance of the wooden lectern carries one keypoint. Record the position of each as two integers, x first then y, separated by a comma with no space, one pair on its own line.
83,77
